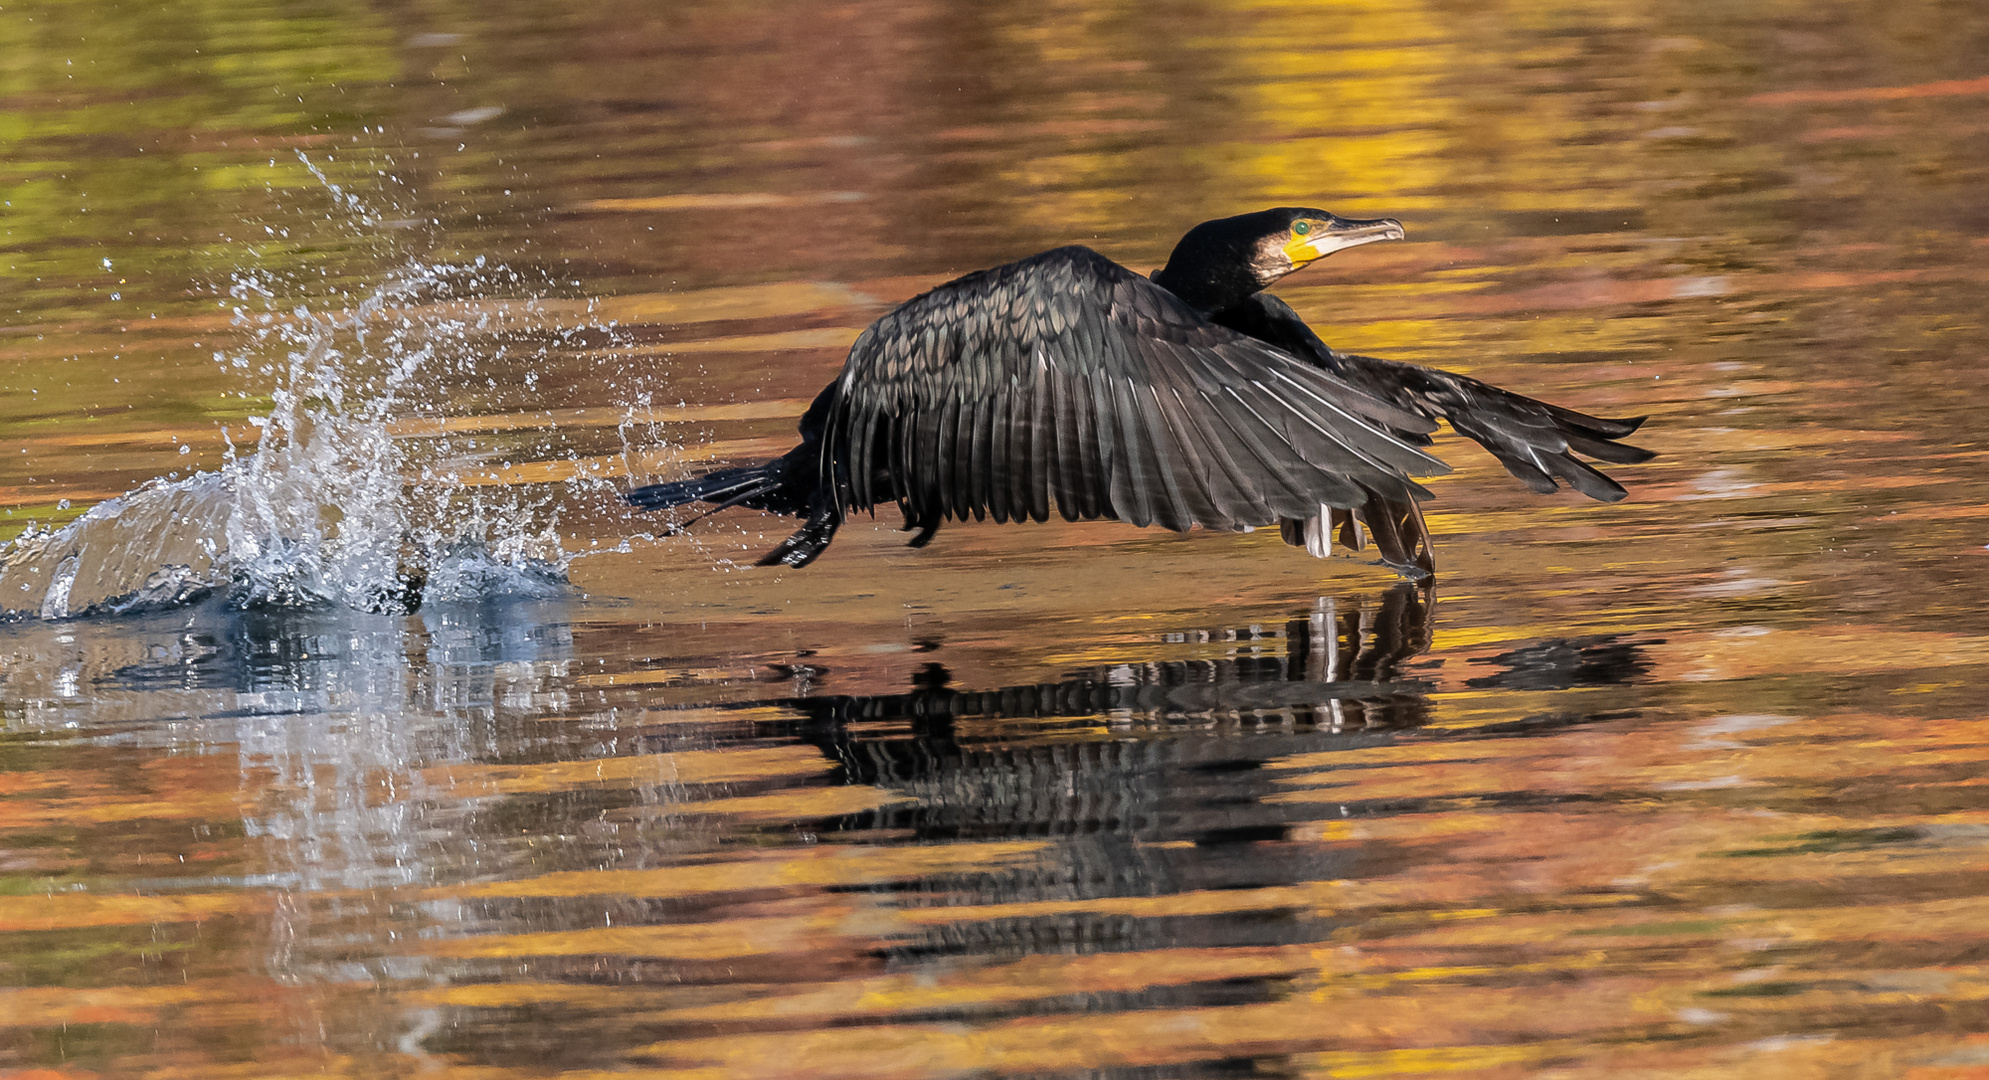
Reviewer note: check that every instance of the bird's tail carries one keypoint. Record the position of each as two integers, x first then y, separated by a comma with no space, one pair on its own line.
762,487
726,487
765,486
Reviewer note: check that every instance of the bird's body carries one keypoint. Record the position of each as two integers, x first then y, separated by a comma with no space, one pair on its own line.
1067,383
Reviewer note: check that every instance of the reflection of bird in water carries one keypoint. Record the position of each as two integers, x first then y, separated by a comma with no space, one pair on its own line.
1189,399
1561,663
1118,747
1158,775
1342,670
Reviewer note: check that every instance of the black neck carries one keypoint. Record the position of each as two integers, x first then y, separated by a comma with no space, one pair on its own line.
1208,289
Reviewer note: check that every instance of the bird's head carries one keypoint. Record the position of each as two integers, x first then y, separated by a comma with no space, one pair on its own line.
1221,262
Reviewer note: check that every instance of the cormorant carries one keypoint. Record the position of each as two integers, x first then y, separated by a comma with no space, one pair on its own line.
1191,398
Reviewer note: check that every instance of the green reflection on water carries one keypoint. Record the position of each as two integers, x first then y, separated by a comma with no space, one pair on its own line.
137,143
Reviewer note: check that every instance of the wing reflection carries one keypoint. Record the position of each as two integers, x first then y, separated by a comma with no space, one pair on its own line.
1342,669
1565,663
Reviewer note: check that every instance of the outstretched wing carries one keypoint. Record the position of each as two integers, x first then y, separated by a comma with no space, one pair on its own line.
1534,440
1068,379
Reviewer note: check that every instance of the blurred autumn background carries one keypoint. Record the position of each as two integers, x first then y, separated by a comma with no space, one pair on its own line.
1687,786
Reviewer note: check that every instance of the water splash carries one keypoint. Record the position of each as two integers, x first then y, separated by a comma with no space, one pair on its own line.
331,507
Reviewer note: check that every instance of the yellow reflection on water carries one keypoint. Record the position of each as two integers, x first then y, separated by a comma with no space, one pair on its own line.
1686,786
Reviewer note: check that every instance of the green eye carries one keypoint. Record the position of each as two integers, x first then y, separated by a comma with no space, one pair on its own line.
1300,228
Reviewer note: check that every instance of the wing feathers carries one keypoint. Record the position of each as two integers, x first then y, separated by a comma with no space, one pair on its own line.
1238,494
1603,450
1170,504
1260,453
1598,426
865,426
1532,439
978,468
1584,479
944,464
1042,450
1196,474
1074,456
1130,485
1066,378
1000,427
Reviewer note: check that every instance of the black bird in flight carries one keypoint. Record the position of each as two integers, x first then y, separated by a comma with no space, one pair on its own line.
1192,398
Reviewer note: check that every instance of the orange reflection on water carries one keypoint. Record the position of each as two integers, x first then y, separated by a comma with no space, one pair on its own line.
1688,786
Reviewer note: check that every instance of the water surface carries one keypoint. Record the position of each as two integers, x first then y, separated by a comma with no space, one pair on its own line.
1692,785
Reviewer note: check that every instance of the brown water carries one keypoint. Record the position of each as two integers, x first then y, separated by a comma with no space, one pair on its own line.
1692,786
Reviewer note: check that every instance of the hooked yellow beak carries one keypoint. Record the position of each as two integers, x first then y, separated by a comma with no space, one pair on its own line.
1324,237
